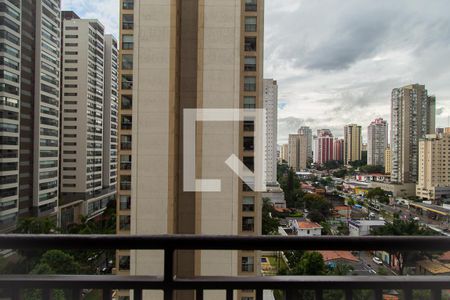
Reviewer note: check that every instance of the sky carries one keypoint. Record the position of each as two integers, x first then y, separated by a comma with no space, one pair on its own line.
336,62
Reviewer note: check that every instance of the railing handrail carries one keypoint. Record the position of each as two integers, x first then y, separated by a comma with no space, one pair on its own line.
209,242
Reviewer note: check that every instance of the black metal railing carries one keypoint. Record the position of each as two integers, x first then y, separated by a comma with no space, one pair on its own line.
170,283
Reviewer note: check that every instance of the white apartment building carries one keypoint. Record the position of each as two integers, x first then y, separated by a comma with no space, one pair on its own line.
89,103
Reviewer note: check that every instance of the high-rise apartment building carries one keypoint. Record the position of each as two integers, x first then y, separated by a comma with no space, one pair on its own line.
305,130
284,152
271,107
352,143
338,150
324,146
298,151
89,103
377,141
413,115
434,167
387,160
188,55
29,109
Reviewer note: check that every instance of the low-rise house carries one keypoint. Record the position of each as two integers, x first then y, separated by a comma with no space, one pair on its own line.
300,228
363,227
432,267
332,258
342,212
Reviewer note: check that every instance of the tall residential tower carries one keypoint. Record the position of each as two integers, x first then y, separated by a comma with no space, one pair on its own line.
29,109
271,107
352,143
413,115
189,55
377,141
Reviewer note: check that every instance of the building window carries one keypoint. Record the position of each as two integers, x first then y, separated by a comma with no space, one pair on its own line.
250,84
125,182
127,102
247,264
124,263
249,143
125,142
250,64
125,202
127,42
249,162
126,122
250,24
248,204
248,224
124,222
125,162
127,61
249,126
128,4
250,44
250,103
127,82
251,5
127,22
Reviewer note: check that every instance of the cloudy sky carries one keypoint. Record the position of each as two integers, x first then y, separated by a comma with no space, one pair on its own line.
337,61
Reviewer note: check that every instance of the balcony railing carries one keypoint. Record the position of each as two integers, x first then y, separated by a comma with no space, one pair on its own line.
168,282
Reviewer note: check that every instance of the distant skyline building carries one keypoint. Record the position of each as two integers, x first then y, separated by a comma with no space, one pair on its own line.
271,107
89,119
284,152
413,115
387,160
307,131
29,108
377,141
298,151
324,145
352,143
338,150
434,167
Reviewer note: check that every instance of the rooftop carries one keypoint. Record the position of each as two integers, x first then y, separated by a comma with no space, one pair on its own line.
336,255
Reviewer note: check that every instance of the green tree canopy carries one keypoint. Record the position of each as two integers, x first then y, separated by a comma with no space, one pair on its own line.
269,222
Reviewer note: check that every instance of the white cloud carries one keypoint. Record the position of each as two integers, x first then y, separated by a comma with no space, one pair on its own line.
106,11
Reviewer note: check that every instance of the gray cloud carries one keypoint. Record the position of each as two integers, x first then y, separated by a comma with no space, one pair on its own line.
337,61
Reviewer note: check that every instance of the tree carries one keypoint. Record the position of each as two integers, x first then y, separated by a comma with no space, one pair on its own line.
319,207
379,195
269,222
341,269
311,263
36,226
341,173
371,169
56,262
404,228
342,229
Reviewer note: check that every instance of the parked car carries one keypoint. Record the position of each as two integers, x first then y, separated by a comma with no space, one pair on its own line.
377,260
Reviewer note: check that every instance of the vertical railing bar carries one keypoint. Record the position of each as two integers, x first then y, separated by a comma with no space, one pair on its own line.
348,294
76,294
46,294
436,294
259,294
168,273
106,294
15,294
408,293
378,294
319,294
229,294
137,294
199,294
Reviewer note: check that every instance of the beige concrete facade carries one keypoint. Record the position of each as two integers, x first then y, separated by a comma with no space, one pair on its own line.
387,161
298,151
208,55
352,143
434,167
284,152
